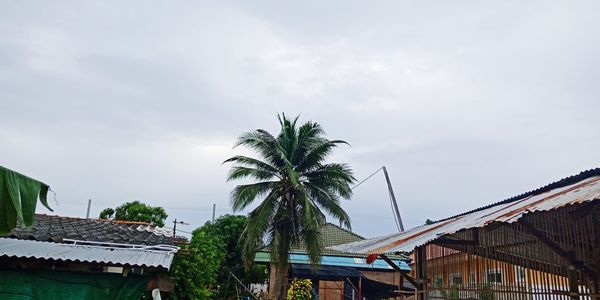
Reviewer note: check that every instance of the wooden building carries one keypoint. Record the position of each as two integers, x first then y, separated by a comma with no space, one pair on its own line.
543,244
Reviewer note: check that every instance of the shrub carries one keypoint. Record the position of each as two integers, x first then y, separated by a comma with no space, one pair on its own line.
300,289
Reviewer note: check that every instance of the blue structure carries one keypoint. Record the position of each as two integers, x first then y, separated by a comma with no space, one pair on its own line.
343,274
338,261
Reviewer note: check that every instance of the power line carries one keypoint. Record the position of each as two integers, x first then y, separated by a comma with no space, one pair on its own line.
368,177
393,204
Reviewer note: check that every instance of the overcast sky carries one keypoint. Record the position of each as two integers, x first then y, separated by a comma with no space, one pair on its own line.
466,103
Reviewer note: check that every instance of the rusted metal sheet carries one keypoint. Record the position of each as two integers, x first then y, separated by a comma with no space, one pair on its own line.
565,193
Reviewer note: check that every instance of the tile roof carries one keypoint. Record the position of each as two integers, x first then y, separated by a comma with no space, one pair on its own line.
56,229
331,235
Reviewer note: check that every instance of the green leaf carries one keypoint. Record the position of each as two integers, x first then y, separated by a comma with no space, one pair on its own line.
18,199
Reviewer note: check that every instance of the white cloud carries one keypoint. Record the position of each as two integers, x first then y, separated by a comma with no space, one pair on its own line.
464,103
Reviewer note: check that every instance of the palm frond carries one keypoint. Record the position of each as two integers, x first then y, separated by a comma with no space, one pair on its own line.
312,221
260,219
281,237
329,202
317,153
338,177
288,138
308,133
252,162
262,142
243,195
237,172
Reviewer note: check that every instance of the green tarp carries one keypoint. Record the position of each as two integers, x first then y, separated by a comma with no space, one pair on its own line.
49,285
18,198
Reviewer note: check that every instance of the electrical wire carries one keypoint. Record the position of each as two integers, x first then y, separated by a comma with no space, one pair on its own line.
368,177
389,196
352,188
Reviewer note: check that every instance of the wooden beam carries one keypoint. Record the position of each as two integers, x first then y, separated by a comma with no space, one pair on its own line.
421,271
492,253
573,285
583,210
396,268
446,241
475,233
567,255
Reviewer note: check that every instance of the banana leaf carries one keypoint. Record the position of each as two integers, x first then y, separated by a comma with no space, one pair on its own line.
18,199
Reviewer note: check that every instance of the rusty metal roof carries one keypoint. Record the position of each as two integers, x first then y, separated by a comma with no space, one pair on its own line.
157,256
576,189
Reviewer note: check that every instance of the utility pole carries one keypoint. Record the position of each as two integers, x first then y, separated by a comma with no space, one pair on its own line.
87,215
175,222
394,203
213,215
396,211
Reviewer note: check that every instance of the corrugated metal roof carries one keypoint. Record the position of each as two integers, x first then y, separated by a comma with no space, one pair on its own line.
569,191
136,257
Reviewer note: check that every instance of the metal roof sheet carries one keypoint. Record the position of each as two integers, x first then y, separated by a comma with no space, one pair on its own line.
563,193
138,257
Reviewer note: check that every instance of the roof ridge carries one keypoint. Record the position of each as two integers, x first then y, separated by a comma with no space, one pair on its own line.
66,217
121,222
346,230
551,186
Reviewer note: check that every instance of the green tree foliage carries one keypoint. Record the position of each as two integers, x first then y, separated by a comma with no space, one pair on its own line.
296,188
137,211
107,213
196,268
18,199
228,229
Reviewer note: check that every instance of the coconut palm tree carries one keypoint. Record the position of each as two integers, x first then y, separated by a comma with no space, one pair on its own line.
295,187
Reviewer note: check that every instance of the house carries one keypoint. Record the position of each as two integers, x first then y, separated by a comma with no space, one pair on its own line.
542,244
343,275
72,258
464,273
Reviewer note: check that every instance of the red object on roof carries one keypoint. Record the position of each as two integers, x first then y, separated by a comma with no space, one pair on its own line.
371,258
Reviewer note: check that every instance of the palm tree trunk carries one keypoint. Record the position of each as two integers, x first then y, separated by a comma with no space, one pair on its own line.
280,290
280,284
